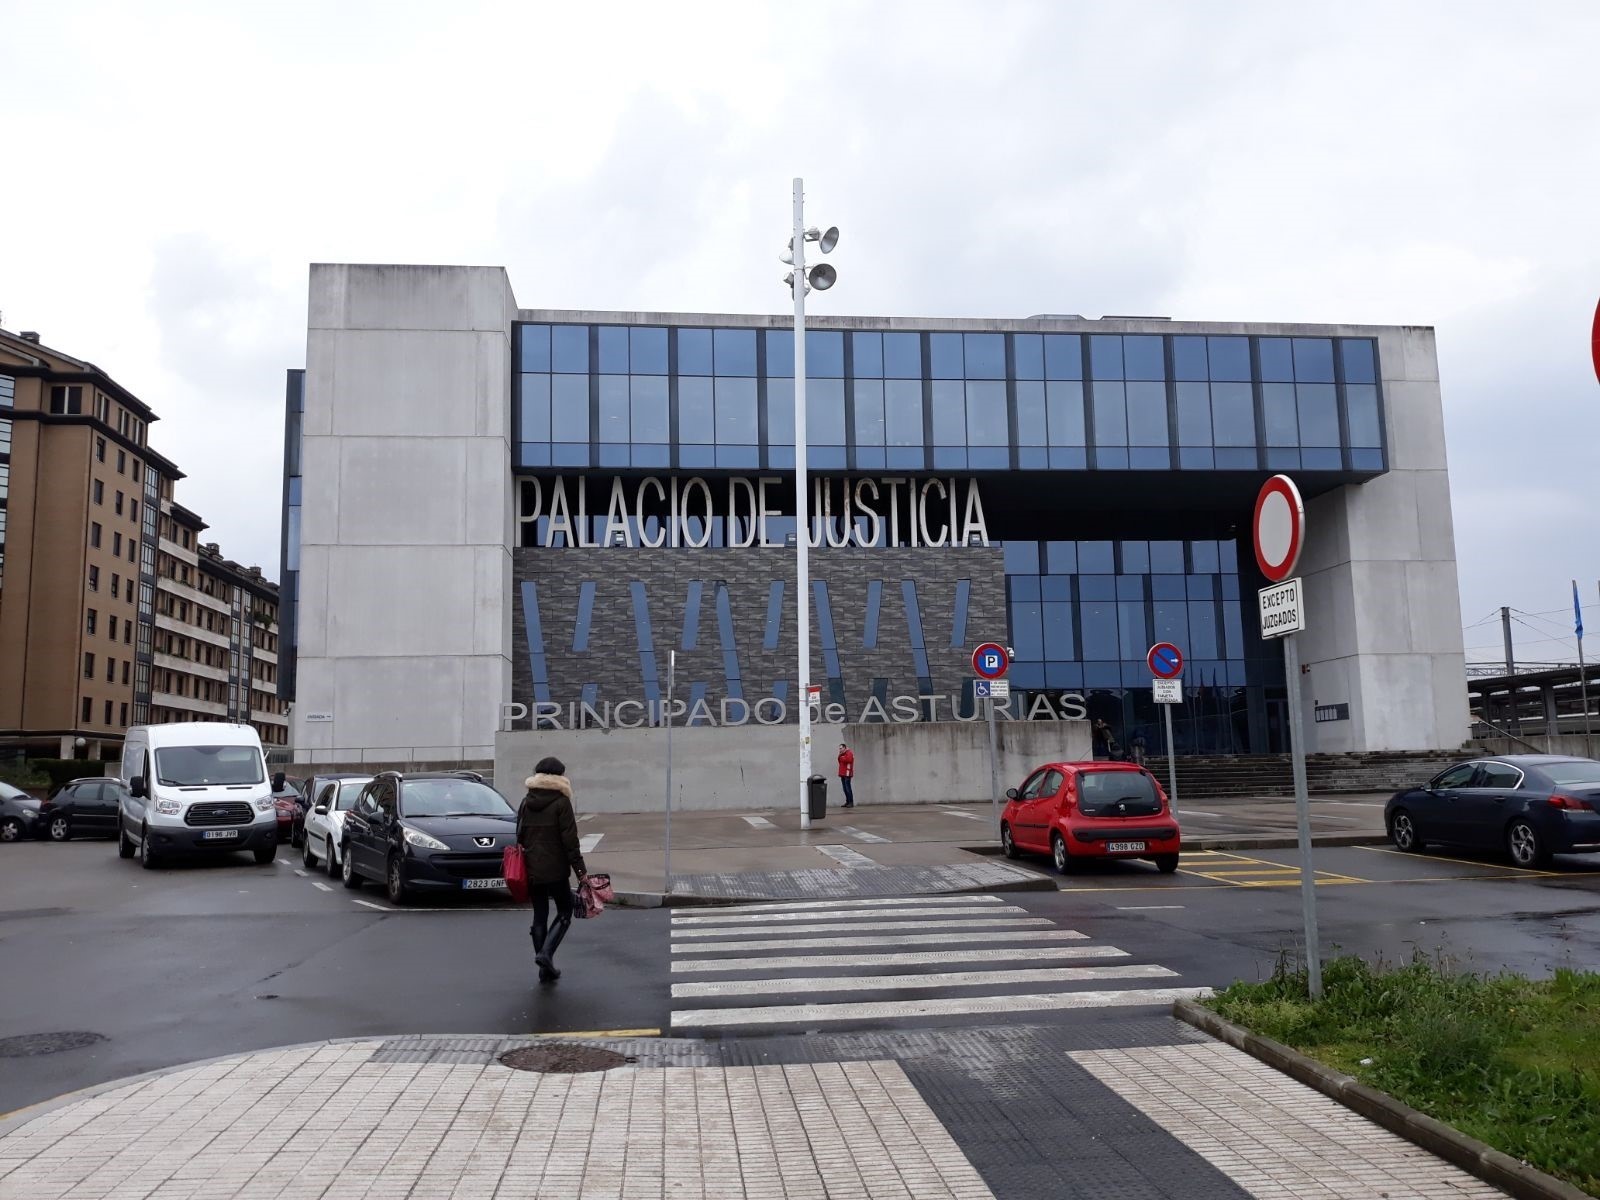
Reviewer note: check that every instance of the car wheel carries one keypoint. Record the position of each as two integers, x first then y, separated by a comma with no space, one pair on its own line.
60,829
347,869
1167,864
147,852
306,856
266,854
395,882
1059,852
10,830
1525,846
333,860
1403,832
1006,844
125,846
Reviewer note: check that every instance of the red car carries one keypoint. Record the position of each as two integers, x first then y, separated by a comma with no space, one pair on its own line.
1075,812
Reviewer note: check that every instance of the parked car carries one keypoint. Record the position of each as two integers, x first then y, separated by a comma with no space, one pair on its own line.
195,786
290,803
82,808
330,797
19,815
1076,812
1529,806
435,832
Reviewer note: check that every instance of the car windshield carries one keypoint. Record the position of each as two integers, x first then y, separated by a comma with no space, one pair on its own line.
197,766
451,798
1117,794
1583,773
349,793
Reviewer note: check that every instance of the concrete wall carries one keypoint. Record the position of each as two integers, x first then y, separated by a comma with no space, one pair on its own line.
1574,744
1382,602
405,567
754,767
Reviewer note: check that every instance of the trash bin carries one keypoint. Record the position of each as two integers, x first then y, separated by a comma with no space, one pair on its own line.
817,797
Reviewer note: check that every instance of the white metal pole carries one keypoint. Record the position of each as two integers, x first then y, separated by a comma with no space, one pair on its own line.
672,671
1302,810
994,768
802,522
1172,760
1583,674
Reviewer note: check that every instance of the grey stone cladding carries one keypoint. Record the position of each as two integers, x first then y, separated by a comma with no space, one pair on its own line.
614,662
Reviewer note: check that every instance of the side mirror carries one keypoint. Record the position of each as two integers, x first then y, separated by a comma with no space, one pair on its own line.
1011,793
136,787
322,810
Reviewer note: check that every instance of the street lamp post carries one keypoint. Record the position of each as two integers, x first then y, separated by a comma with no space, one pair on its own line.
801,281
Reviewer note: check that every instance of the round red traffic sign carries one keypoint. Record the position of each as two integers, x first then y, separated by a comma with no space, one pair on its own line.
1165,660
990,661
1279,528
1594,341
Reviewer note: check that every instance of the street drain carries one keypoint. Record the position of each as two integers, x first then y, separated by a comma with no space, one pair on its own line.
560,1058
27,1045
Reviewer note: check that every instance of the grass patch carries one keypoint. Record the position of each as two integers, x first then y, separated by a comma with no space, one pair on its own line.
1513,1062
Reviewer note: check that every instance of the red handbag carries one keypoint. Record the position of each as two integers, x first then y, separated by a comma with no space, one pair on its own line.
515,869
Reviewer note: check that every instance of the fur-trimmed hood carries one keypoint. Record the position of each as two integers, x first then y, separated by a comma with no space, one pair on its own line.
549,783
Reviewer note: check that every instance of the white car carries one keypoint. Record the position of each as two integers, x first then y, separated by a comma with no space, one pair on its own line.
330,797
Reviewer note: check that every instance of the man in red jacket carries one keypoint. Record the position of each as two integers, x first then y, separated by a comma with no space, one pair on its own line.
847,774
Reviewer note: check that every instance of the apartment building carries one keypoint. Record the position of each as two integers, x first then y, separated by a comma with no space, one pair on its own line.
90,582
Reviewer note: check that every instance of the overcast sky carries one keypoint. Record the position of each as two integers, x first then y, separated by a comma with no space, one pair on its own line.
175,167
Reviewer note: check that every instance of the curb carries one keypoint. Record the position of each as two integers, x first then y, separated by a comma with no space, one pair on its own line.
1492,1166
1036,883
1242,842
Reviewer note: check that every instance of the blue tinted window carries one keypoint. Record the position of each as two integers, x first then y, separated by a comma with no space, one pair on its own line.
944,355
824,353
1359,364
1168,587
613,408
1135,558
1134,630
780,352
696,419
532,628
1058,640
1027,634
1105,356
1194,414
613,349
866,351
1203,640
1321,459
986,355
1030,414
780,413
570,348
869,632
1021,558
1110,415
1230,358
691,617
1028,350
694,352
1024,587
1056,587
1319,414
1147,414
1313,360
1143,357
1278,408
1171,623
1166,558
736,412
649,405
569,408
825,413
902,356
769,640
1206,560
1366,460
730,649
1063,356
1099,621
1065,404
536,408
1095,558
919,648
734,351
902,404
1277,360
1233,415
868,397
646,643
1229,552
949,413
986,414
1362,403
647,351
958,630
1061,558
1189,358
536,348
1097,587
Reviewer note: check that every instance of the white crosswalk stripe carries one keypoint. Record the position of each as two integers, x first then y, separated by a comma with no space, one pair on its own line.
811,963
861,835
588,842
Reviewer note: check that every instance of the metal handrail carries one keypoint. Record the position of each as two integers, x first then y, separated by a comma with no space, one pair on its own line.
1509,736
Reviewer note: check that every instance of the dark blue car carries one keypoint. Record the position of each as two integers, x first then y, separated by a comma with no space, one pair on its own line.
1529,806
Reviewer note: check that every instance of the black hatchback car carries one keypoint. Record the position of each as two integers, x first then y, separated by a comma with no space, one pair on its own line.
82,808
427,832
19,815
1529,806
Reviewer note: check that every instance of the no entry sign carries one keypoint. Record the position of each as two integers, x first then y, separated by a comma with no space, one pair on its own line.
1279,528
1165,660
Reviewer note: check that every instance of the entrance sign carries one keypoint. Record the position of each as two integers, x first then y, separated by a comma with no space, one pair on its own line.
990,661
1279,528
1165,660
1167,691
1282,612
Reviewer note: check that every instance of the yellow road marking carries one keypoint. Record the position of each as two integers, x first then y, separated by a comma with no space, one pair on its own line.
1466,862
604,1033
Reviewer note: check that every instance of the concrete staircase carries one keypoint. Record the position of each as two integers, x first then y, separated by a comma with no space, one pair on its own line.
1326,774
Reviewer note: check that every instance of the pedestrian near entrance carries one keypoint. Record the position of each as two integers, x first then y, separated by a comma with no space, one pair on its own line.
1107,740
547,831
1139,748
847,774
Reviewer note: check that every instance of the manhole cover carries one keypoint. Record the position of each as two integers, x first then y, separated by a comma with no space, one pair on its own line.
29,1044
564,1059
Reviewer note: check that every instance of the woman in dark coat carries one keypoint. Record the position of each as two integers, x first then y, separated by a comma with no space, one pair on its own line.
548,834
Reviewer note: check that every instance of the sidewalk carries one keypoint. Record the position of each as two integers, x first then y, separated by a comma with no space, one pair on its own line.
900,849
941,1114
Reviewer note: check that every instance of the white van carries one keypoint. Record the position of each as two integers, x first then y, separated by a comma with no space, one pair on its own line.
195,786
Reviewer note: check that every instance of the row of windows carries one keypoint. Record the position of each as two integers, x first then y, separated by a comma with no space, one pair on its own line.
66,399
91,623
748,353
111,668
122,459
87,713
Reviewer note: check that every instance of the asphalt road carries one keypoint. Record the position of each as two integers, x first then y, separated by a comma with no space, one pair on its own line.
201,960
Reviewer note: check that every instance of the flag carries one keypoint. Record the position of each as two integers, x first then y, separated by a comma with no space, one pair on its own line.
1577,610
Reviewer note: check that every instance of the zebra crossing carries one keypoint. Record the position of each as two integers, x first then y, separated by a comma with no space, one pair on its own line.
822,963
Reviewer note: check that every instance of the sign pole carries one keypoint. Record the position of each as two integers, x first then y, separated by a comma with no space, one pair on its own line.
1172,759
994,768
1302,812
672,670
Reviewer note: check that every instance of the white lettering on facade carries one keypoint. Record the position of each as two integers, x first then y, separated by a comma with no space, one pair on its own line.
732,712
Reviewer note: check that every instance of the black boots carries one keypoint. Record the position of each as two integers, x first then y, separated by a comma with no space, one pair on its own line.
544,946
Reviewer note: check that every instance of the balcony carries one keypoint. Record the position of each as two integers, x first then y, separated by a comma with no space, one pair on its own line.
178,552
184,666
189,592
190,704
199,632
